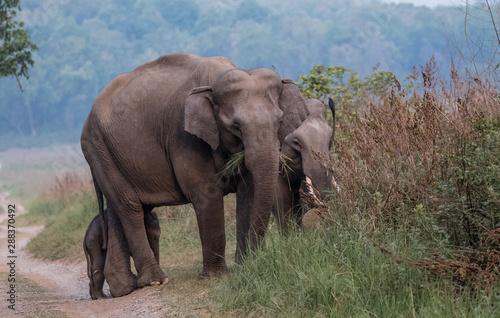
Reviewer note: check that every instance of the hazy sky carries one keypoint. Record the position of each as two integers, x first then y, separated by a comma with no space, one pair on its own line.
430,3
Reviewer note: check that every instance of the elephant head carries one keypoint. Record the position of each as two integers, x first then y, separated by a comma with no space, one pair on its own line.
242,111
308,148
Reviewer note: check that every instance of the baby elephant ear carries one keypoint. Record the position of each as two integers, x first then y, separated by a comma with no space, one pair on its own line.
199,117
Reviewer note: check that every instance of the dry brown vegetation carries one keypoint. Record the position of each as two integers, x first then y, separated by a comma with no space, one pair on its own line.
396,147
477,267
420,159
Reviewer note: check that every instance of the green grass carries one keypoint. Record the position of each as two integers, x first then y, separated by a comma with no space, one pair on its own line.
65,226
338,271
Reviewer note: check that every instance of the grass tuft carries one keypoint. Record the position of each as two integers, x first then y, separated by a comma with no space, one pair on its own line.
235,165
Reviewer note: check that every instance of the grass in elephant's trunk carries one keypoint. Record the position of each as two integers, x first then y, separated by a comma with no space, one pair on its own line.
235,165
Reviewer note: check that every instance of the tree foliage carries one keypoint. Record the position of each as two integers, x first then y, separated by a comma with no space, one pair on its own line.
344,85
85,44
15,45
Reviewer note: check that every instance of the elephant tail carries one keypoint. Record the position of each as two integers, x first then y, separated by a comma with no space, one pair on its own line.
100,202
331,104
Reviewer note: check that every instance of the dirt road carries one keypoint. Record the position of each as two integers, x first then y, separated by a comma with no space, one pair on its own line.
60,289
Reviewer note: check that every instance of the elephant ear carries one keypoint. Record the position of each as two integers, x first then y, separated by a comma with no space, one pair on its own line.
293,105
199,117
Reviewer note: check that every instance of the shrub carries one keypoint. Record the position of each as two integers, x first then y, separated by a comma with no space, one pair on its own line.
421,159
344,85
468,195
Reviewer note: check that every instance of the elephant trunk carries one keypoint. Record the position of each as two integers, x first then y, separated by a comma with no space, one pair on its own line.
262,161
318,175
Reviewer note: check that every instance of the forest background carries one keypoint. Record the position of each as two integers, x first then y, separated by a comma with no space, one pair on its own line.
83,45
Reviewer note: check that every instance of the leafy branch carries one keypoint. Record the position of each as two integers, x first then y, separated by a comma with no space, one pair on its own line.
15,45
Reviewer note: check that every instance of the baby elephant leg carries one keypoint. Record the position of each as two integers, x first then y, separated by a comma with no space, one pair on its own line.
153,232
96,256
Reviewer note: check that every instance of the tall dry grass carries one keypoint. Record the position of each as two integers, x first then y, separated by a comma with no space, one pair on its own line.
413,161
392,151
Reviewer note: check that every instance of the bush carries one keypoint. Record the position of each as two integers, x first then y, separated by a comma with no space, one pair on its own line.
344,85
468,194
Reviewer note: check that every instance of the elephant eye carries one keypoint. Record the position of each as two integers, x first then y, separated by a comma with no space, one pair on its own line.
296,142
236,126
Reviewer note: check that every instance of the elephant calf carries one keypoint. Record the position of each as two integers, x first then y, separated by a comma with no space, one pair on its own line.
96,254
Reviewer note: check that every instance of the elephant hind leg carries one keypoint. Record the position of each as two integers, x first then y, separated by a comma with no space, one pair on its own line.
117,270
132,221
126,231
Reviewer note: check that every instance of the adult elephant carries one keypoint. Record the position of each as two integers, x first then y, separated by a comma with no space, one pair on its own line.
306,139
160,134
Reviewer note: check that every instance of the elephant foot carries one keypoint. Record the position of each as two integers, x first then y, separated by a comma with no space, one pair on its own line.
213,272
154,277
121,291
122,288
158,283
97,295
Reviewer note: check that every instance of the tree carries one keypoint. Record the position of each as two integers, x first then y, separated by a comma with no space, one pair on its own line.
345,85
15,44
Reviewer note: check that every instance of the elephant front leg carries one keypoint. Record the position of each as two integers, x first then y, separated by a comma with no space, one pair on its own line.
210,217
298,210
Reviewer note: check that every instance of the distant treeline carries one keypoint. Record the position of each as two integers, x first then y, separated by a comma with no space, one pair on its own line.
84,44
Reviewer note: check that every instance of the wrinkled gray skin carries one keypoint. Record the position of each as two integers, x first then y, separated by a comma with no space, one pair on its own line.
304,128
96,254
160,134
